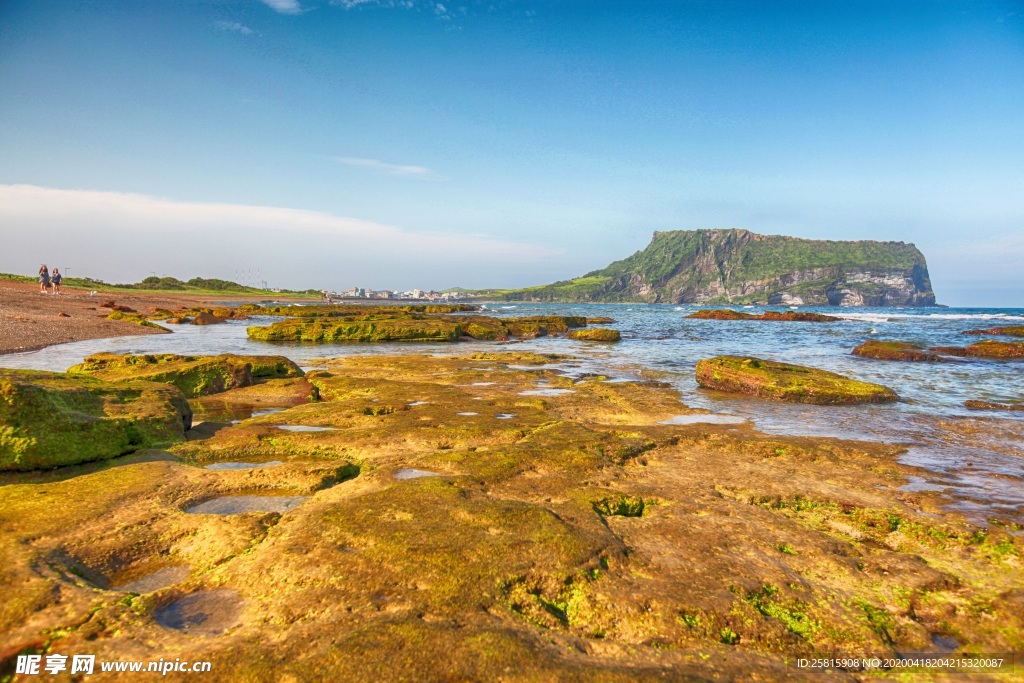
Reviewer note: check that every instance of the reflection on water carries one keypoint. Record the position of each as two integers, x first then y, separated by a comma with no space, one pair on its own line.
236,505
976,454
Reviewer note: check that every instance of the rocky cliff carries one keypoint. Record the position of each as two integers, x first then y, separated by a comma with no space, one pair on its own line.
741,267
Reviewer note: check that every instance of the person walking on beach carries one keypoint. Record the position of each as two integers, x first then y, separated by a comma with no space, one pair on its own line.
44,279
57,277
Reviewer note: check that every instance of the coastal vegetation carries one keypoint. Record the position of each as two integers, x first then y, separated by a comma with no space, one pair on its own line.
170,285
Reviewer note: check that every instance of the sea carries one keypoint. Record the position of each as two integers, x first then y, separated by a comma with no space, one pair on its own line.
974,458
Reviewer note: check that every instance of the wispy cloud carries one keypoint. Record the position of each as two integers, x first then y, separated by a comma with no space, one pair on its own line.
284,6
233,26
80,228
384,167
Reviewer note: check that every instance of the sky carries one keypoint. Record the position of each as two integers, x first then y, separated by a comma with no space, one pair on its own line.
405,143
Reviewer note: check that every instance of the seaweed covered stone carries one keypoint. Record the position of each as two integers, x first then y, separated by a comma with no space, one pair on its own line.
600,334
194,375
987,348
383,324
895,350
358,331
1011,331
785,316
50,419
785,382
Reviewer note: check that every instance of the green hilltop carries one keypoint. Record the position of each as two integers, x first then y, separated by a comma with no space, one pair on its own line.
741,267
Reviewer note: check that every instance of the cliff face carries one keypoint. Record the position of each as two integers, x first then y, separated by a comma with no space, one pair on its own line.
741,267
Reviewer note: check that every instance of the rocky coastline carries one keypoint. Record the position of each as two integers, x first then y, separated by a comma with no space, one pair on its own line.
531,521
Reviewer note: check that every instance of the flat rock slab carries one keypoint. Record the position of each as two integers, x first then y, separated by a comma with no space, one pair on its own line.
306,428
206,613
784,382
236,505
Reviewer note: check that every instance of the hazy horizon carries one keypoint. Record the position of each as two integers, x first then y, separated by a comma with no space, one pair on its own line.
401,144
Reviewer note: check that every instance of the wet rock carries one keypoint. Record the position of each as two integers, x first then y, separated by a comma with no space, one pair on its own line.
381,324
786,316
987,348
988,405
358,331
785,382
52,419
600,334
193,375
204,318
894,350
1011,331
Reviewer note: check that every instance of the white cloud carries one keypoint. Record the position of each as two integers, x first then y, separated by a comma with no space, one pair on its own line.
384,167
283,6
120,237
233,26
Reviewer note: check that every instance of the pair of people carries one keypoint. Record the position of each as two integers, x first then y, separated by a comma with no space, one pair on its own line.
46,280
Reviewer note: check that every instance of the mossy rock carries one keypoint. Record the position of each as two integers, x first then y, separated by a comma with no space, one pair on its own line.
798,316
193,375
136,318
894,350
205,318
51,419
989,405
600,334
720,314
1012,331
345,331
785,316
785,382
988,348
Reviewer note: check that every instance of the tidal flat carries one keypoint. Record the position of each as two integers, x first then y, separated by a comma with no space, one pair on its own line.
506,502
587,535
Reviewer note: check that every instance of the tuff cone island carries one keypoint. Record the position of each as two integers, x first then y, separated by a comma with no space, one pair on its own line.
473,517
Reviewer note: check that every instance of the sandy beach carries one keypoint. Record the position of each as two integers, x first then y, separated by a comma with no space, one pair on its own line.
31,320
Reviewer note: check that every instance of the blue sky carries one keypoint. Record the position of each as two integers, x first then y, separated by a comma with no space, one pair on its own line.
401,144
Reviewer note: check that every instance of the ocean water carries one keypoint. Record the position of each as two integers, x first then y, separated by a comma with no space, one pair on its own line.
975,457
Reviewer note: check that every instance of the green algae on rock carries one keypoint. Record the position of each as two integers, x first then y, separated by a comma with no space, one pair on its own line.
52,419
1011,331
193,375
137,318
894,350
600,334
384,324
989,405
786,316
785,382
987,348
341,331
